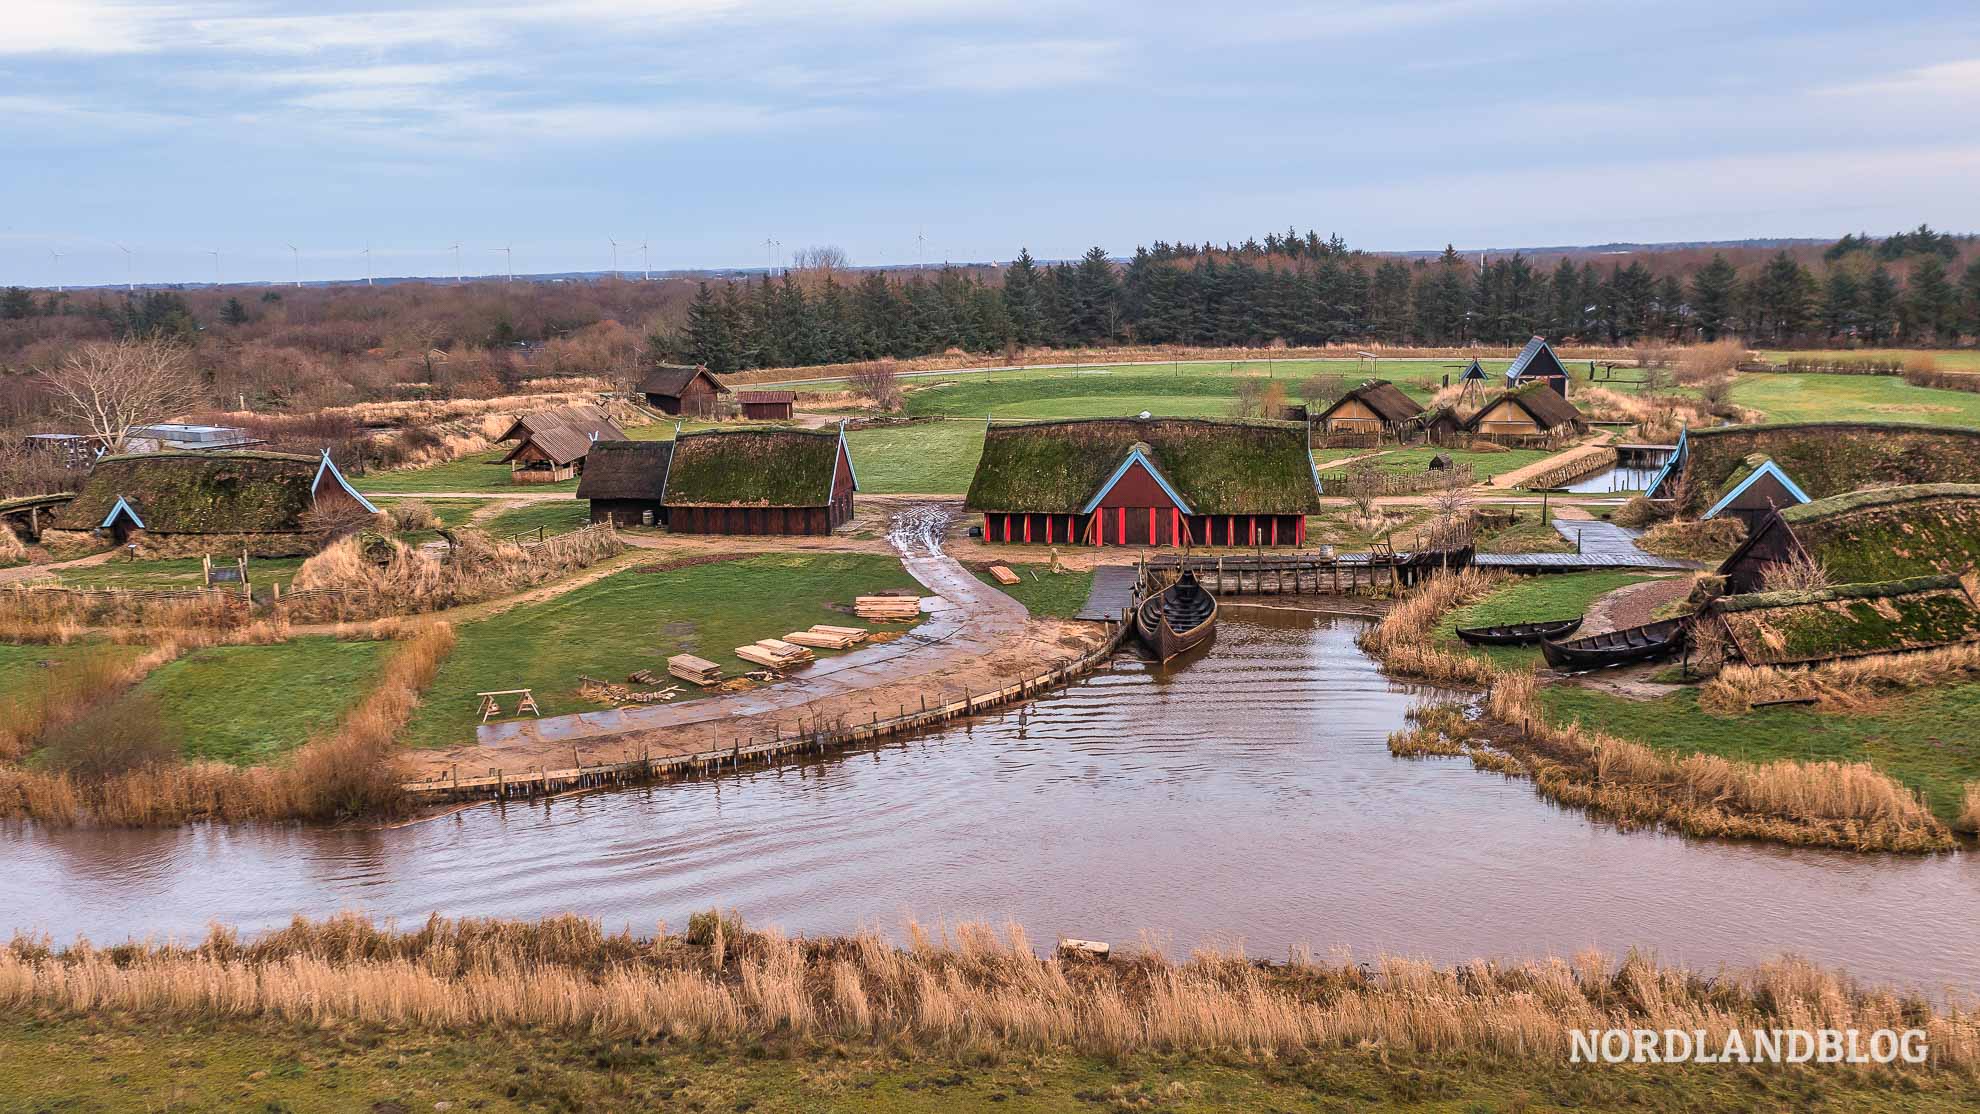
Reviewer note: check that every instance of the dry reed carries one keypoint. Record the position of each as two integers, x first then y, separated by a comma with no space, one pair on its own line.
1848,685
1695,540
963,989
1969,809
415,580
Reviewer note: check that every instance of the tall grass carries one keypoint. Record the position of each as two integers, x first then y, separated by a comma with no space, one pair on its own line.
1403,639
964,989
1851,684
416,580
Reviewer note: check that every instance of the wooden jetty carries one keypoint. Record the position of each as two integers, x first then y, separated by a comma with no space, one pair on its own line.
1310,573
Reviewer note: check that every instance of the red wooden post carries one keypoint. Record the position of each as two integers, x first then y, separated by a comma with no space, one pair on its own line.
1100,527
1253,520
1048,529
1152,539
1123,519
1175,526
1027,529
1230,529
1275,529
986,526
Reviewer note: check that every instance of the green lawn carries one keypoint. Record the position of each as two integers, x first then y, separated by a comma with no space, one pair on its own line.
176,572
1042,591
1956,359
1924,739
1534,536
1484,465
635,620
21,666
480,472
553,516
1529,598
928,458
1167,390
450,512
1867,398
248,704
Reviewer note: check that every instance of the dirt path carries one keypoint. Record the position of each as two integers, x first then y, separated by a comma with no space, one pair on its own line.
1632,605
975,638
21,574
1517,476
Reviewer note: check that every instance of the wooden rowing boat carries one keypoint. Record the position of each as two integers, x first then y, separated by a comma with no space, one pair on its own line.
1178,618
1520,634
1600,651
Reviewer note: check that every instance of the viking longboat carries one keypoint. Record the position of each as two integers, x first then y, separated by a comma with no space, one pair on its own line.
1180,617
1520,634
1599,651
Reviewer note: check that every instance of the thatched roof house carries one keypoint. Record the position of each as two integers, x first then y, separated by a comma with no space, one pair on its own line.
626,482
1377,406
1534,410
1787,628
1825,458
1536,363
553,443
726,481
1867,536
191,502
683,389
1146,481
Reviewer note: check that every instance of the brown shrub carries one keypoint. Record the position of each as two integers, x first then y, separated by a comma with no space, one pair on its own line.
1695,539
109,739
1638,513
1703,363
57,697
412,514
416,580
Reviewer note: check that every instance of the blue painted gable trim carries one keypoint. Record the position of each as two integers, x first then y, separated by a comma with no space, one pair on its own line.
851,468
1122,471
1671,465
330,466
126,508
1767,468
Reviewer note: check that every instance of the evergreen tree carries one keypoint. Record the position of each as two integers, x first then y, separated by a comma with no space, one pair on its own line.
1880,306
15,303
1969,298
1670,307
1930,308
1566,315
1784,298
1712,293
1842,304
234,313
1444,301
710,341
1388,301
1094,304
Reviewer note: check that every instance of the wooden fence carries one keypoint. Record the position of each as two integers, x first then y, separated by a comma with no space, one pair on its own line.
1566,473
817,739
1397,483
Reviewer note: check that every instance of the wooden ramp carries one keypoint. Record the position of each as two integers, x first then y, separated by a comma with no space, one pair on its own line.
1112,593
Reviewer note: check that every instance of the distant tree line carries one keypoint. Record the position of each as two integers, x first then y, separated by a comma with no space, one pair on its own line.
1304,290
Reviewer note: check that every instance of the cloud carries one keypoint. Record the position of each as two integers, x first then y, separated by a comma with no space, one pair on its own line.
1959,79
79,26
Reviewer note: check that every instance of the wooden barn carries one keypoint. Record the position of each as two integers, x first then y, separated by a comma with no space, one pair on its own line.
1535,410
760,481
683,389
188,503
1888,533
626,482
1847,621
1145,481
1536,363
767,406
1752,493
551,444
1376,407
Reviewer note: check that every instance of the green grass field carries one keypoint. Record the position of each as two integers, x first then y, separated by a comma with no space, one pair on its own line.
635,620
249,704
450,512
1167,390
1484,465
1945,359
1042,591
175,572
1526,599
554,516
480,472
1867,398
929,458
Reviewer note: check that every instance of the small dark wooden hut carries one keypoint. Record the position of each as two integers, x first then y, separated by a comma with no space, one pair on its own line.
760,481
683,389
1441,426
1536,363
1757,489
1375,407
767,406
1882,534
552,443
1145,481
626,482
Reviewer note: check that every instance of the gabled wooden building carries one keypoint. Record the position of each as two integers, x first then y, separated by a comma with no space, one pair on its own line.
760,481
1145,481
551,444
185,503
626,482
1375,407
1754,491
1846,621
1535,410
1536,363
767,406
683,389
1887,533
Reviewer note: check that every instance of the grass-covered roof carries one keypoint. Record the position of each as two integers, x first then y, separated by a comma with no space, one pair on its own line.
753,468
1217,466
1781,628
625,470
1540,401
1888,533
1830,458
199,492
1381,396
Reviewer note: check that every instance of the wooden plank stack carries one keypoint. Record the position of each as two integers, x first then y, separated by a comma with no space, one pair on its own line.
694,670
776,654
888,609
1003,574
828,638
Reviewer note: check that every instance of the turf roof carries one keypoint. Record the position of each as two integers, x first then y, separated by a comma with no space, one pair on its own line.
1217,466
626,470
753,468
1830,458
199,492
1780,628
1887,533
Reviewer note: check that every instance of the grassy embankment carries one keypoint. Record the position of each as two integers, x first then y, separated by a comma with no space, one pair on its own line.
1043,592
554,516
557,1014
1945,359
634,620
477,472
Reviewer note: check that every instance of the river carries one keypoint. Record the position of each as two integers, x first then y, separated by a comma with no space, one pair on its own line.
1244,797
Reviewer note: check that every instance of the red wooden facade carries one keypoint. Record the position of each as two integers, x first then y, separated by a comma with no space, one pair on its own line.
1145,526
710,519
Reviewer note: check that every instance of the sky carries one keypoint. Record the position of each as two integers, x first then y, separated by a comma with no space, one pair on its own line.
730,133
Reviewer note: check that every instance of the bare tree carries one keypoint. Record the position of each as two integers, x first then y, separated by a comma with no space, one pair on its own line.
113,389
878,381
820,257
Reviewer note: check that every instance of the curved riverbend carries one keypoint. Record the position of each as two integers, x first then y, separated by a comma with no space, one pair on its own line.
1247,795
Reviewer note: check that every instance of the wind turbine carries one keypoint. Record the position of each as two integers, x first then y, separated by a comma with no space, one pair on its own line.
367,264
130,275
58,269
297,254
645,265
615,256
508,256
457,261
216,266
770,253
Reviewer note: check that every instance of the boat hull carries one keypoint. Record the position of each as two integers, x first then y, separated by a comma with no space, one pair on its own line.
1519,634
1602,651
1177,619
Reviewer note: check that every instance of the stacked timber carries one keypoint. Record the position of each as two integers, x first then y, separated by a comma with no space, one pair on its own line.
775,653
694,670
888,609
1003,574
828,638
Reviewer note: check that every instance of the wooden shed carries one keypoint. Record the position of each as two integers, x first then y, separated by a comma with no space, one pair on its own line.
552,443
1754,491
1375,407
767,406
1536,363
683,389
760,481
626,482
1535,410
185,503
1145,481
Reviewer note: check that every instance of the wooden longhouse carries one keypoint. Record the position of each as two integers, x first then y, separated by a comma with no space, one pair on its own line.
1536,363
683,389
1377,407
552,443
1824,458
1754,492
186,503
1846,621
767,406
1533,411
725,481
1145,481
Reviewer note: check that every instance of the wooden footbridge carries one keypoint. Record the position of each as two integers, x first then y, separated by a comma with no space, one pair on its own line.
1310,573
